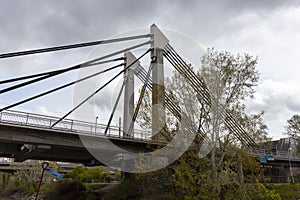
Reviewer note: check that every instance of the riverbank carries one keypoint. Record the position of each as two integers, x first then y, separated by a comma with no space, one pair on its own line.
6,198
15,196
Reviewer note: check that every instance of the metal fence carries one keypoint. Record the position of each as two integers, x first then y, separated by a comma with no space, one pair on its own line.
280,155
69,125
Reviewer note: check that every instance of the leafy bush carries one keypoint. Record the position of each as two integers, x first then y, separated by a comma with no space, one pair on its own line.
81,174
66,190
128,189
260,192
286,191
118,175
94,186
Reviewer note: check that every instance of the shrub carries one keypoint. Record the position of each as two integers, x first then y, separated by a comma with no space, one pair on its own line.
89,175
65,190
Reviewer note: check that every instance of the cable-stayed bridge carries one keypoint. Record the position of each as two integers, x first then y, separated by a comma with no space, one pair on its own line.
31,136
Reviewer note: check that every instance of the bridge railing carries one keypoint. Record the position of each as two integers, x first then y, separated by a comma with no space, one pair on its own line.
277,154
42,121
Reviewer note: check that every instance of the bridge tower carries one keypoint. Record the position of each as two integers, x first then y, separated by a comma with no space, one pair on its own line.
129,94
159,41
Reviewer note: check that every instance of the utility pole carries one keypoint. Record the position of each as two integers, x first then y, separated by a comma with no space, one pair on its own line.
96,122
291,170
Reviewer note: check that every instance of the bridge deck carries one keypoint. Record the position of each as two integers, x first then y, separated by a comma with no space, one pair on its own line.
63,142
69,125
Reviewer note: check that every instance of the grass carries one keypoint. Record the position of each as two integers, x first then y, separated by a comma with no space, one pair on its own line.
286,191
94,186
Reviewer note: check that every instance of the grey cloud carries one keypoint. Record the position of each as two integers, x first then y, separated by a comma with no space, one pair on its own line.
212,19
258,4
59,22
105,100
43,23
275,103
278,102
293,104
34,24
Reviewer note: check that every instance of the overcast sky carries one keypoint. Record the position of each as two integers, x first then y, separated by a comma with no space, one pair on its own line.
269,29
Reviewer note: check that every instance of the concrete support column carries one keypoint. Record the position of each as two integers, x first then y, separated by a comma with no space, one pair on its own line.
129,94
158,100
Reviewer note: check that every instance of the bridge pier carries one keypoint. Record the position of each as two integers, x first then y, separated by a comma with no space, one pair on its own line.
129,94
158,100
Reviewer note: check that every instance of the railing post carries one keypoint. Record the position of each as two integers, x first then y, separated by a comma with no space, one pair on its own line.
120,127
27,116
71,125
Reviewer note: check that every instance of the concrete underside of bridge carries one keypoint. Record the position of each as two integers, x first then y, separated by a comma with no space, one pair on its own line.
22,143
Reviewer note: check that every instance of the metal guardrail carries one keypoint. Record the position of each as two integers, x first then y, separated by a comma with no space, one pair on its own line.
69,125
279,155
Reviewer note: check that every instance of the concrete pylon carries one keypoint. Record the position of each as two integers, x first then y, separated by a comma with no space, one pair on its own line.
159,41
129,93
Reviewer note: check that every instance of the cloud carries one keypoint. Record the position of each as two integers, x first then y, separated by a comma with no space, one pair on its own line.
44,111
43,23
280,100
261,27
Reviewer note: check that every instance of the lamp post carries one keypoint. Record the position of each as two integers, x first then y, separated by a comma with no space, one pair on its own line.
96,124
291,170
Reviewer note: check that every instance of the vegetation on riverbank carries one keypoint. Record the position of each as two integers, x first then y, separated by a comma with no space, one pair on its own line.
286,190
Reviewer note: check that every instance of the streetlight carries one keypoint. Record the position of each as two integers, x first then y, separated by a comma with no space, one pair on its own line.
291,171
96,124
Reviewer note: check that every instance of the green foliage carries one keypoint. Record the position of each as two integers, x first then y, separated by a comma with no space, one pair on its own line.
145,185
11,186
251,167
4,177
151,182
94,186
31,189
74,173
65,190
230,80
118,176
26,178
134,188
55,189
192,177
81,174
286,191
128,189
260,192
234,75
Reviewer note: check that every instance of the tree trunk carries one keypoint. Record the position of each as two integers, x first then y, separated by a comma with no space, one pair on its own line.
214,165
240,169
214,170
